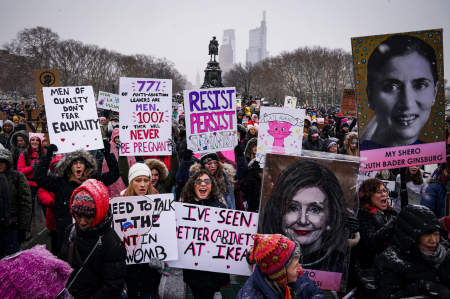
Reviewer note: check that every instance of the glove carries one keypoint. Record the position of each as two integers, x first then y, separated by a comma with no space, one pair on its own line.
187,155
352,223
156,264
35,164
51,149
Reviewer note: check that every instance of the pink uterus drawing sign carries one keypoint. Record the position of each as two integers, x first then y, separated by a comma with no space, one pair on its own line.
281,130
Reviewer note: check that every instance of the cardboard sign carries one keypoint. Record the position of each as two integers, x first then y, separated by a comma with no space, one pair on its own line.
280,131
318,191
146,224
108,101
45,78
72,119
290,102
400,124
145,116
36,120
210,119
348,103
214,239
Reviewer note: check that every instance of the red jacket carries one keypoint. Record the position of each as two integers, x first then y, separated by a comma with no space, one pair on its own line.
48,200
27,170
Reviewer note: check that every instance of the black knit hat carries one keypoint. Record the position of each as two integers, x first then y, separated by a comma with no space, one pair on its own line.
413,222
83,204
208,157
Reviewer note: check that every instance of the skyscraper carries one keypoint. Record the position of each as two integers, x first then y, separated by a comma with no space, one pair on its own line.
257,48
227,51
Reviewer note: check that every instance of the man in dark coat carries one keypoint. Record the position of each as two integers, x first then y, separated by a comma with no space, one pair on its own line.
92,244
313,142
15,206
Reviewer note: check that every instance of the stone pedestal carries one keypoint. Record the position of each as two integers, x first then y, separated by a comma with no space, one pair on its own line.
213,75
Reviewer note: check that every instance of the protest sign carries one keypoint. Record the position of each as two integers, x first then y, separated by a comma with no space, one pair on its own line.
145,116
214,239
290,102
36,120
146,224
305,189
210,119
348,103
72,119
108,101
45,78
280,131
401,124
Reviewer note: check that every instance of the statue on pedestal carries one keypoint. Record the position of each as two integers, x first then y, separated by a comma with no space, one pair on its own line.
213,48
213,73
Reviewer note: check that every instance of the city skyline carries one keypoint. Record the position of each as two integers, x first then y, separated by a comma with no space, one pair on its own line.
181,30
257,43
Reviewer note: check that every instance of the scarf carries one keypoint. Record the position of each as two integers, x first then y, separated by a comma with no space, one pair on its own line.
437,257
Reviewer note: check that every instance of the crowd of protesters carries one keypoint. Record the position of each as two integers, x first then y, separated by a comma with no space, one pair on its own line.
403,251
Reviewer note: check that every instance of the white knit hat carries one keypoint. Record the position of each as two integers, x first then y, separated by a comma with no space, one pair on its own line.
138,169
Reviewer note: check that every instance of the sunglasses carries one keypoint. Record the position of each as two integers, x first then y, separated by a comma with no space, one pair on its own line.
199,181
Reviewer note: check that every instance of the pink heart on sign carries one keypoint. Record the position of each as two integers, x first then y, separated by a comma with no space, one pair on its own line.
63,139
95,139
195,264
87,145
228,266
73,143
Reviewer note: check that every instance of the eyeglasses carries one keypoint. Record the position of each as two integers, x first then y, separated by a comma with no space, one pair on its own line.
381,191
200,181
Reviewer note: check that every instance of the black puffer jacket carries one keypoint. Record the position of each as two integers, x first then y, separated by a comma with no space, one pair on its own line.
104,274
15,150
197,279
251,186
63,187
375,229
403,270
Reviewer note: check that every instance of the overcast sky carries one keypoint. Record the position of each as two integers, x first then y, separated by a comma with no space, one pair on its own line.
180,30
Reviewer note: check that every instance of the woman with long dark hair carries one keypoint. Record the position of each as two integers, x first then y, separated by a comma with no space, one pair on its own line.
307,205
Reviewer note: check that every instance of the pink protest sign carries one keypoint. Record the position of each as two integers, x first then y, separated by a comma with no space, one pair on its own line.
210,119
403,156
324,279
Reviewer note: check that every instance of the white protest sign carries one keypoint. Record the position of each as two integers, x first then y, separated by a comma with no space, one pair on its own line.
290,102
214,239
145,116
108,101
280,131
72,118
210,119
146,224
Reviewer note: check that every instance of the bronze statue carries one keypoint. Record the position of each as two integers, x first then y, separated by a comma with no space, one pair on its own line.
213,48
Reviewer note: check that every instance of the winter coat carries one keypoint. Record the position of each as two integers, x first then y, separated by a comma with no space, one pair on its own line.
5,138
346,144
434,198
166,177
15,150
104,274
308,144
61,185
19,205
141,279
28,170
197,279
403,270
228,174
415,192
375,234
256,287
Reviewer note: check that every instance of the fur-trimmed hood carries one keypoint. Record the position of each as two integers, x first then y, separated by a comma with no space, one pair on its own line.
5,155
62,167
248,148
160,166
23,134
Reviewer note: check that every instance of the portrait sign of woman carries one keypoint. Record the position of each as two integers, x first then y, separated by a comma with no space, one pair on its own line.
307,204
402,85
